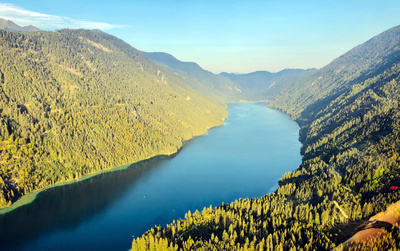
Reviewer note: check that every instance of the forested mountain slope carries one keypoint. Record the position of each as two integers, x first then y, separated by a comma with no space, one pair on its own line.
74,102
354,67
262,85
218,87
350,118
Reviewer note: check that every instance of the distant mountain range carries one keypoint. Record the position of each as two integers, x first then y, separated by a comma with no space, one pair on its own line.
230,87
218,87
224,87
11,26
263,84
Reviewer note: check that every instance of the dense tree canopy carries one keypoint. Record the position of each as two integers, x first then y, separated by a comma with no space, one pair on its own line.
74,102
350,127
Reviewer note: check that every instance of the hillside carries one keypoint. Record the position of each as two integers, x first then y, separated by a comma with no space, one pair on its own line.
350,127
215,86
262,85
355,67
74,102
11,26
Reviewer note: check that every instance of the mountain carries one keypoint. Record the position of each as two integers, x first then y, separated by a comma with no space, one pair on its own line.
74,102
230,87
261,85
11,26
350,130
356,66
215,86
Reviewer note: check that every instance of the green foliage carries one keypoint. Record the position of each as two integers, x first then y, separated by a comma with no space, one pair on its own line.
74,102
350,128
355,70
268,223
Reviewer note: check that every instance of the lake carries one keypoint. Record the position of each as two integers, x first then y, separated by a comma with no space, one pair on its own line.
244,158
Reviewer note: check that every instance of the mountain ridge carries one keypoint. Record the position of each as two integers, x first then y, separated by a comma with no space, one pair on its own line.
212,85
340,72
11,26
264,84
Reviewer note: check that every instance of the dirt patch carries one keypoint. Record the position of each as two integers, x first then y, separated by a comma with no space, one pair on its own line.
378,226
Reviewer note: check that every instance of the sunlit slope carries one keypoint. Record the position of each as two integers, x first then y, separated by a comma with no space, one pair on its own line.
350,133
74,102
350,126
354,67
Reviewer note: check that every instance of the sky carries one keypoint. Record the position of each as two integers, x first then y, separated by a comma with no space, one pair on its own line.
221,35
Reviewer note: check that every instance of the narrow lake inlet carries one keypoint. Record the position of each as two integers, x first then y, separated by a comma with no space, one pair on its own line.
244,158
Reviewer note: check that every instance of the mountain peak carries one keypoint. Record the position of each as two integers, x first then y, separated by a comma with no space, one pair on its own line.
215,86
11,26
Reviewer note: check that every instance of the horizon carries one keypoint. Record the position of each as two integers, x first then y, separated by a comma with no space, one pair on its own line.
234,37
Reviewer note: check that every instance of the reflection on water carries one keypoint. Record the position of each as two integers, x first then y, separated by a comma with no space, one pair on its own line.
244,158
67,206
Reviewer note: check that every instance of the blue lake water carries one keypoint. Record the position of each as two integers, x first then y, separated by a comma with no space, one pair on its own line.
244,158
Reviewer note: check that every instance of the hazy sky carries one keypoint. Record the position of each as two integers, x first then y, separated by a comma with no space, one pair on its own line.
231,36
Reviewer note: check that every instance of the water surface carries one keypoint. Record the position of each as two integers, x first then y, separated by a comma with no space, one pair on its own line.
244,158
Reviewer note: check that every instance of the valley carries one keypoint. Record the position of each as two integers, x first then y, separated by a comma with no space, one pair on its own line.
78,103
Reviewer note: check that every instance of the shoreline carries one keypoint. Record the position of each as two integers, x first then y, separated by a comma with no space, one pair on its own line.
30,197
